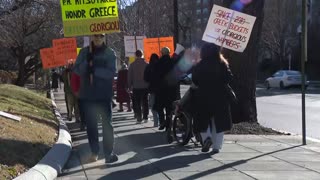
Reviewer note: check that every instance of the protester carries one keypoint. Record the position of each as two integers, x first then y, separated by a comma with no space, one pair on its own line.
55,80
166,91
75,85
96,67
149,77
122,88
71,99
139,87
211,76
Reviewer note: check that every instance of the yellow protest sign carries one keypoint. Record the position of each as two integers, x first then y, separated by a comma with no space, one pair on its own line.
87,17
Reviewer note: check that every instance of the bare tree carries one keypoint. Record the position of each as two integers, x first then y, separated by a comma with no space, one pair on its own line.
26,27
279,33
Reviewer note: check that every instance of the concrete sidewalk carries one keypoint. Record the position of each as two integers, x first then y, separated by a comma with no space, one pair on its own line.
144,154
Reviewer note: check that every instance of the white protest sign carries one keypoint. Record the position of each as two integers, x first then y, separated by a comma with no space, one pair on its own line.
228,28
132,44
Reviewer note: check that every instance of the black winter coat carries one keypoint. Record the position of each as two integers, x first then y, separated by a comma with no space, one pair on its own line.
166,84
210,98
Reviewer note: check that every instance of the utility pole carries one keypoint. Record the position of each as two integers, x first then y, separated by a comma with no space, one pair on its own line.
304,57
175,22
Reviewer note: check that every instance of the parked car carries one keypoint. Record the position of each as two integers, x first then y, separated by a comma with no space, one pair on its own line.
284,79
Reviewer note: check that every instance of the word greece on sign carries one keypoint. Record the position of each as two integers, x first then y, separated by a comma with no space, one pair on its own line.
87,17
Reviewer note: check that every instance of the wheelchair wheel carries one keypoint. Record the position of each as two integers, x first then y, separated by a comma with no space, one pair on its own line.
182,130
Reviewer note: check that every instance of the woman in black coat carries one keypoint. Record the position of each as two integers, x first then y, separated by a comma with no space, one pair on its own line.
212,107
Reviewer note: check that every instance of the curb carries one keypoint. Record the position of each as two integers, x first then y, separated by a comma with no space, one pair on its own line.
52,163
298,135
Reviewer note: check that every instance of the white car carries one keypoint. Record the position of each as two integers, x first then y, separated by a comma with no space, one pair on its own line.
285,78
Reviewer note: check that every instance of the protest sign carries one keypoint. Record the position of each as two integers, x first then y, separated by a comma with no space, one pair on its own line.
228,28
65,49
47,58
88,17
132,44
154,45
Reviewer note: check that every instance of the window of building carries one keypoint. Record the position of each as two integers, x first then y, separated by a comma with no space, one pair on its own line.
198,11
205,11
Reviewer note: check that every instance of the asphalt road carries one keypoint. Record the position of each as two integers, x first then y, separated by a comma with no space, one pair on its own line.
281,110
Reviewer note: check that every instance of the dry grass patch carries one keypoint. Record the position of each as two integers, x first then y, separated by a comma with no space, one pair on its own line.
23,144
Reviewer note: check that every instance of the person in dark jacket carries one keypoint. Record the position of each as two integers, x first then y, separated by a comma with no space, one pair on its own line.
149,78
212,107
55,80
96,67
166,91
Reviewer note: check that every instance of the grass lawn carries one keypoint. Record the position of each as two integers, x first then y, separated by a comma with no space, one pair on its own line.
24,143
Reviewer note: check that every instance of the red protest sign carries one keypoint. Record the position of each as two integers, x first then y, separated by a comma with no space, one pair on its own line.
47,58
65,49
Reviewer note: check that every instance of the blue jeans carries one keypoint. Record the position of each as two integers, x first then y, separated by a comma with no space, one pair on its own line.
94,113
154,112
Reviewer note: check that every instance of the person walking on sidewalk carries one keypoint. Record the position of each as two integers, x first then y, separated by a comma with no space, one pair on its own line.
212,107
96,67
122,88
149,77
139,87
55,80
166,91
71,99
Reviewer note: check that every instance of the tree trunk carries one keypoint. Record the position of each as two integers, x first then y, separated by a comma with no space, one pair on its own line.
21,74
244,66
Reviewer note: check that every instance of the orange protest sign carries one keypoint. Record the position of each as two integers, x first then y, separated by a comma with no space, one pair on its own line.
47,58
64,50
154,45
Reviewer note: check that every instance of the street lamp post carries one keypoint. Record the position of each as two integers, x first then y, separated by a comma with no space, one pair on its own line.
304,56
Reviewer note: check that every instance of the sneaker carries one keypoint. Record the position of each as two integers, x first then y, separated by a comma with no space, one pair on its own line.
129,110
120,110
112,158
206,145
139,122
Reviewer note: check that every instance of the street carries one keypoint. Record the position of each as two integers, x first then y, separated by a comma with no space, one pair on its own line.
281,110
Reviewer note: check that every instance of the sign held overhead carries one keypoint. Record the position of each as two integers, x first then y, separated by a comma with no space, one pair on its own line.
229,29
88,17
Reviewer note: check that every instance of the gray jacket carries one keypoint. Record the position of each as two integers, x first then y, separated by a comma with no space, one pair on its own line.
136,74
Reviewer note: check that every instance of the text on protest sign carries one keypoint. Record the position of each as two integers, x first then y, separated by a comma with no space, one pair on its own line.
132,44
228,28
48,60
154,45
88,17
65,49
